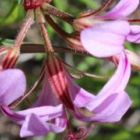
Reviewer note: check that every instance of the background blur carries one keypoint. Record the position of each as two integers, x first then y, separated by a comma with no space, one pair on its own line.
11,17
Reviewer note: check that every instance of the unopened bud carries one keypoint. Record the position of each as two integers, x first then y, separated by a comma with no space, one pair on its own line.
8,57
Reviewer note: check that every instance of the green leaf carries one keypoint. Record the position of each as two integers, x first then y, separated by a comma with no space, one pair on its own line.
12,15
6,42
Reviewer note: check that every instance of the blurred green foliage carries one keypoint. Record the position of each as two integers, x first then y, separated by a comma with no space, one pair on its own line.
11,12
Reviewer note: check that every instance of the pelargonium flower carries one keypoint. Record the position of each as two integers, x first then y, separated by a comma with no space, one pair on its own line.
44,116
60,91
106,34
109,105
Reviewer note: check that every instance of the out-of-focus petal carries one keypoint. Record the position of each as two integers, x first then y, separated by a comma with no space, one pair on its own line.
105,39
134,35
12,85
39,120
122,9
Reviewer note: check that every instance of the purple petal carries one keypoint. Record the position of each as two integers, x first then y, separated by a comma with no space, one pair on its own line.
46,96
111,109
12,85
122,9
39,120
105,39
110,104
134,35
120,78
34,126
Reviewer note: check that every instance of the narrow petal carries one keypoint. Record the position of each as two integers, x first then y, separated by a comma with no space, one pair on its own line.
123,9
111,109
34,126
12,85
109,102
46,96
134,35
120,78
105,39
39,120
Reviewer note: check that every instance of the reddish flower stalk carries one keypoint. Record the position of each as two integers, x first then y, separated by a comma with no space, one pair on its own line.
98,11
134,20
73,40
56,27
51,10
41,21
24,29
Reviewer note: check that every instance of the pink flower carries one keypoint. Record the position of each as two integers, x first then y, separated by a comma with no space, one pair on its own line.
59,91
46,115
107,35
38,120
109,105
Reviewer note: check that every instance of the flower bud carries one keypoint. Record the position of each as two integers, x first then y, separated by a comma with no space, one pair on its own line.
57,76
8,57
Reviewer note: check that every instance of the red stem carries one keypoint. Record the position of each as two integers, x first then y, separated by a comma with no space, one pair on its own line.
98,11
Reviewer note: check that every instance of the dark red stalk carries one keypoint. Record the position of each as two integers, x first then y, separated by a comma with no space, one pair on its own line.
134,20
98,11
51,10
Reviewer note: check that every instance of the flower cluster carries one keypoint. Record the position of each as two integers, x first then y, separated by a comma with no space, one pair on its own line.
101,36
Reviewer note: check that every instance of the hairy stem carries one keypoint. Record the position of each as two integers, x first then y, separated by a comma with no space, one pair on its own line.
49,9
98,11
25,27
